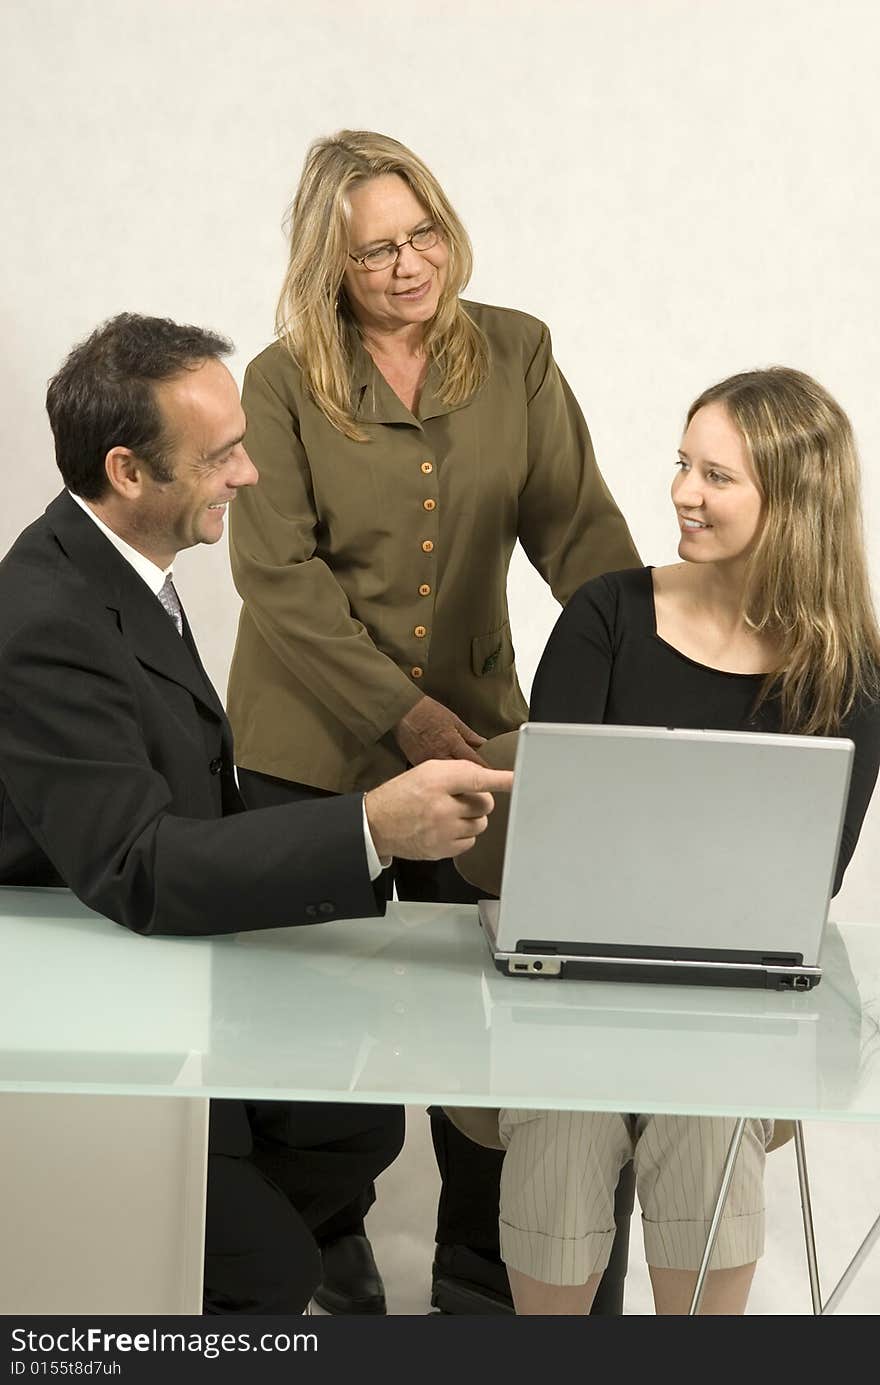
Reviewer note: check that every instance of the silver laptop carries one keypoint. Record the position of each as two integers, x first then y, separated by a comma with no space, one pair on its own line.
643,854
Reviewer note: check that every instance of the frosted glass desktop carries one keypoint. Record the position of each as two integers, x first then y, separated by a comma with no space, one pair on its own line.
408,1008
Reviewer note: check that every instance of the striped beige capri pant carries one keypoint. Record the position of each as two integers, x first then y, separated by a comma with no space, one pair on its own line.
561,1170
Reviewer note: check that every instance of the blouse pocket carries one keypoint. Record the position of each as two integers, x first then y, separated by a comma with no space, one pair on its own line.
493,652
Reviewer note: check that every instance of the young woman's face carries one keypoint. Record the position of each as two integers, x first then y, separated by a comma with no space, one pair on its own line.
715,493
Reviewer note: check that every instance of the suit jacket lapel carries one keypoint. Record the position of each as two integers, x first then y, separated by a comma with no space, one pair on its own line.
147,628
213,700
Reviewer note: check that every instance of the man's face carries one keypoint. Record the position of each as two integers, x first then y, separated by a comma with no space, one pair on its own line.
203,416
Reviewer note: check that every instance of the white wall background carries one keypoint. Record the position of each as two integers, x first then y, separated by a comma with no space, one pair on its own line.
680,188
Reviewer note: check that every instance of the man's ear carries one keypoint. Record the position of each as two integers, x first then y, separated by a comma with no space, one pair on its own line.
125,472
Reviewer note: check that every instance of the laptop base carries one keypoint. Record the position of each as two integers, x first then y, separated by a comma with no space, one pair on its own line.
674,972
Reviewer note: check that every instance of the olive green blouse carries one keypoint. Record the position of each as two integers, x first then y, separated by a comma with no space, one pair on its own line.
373,572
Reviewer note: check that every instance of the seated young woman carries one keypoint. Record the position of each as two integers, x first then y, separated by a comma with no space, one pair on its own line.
766,624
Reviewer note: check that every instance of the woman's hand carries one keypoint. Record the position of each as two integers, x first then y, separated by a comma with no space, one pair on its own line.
430,731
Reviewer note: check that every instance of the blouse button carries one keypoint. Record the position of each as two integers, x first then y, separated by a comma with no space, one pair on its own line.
420,632
424,590
427,467
415,672
427,546
429,504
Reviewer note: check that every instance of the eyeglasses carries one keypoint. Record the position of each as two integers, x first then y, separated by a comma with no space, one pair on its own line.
385,256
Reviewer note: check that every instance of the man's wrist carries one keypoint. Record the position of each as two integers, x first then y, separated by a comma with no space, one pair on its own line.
375,863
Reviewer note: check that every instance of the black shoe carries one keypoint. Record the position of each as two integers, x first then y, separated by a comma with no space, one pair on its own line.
351,1282
464,1282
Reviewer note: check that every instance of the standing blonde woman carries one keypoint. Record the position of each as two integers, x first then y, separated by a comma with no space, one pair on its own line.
405,441
767,624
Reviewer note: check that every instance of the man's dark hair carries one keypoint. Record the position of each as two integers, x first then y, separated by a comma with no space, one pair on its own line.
103,395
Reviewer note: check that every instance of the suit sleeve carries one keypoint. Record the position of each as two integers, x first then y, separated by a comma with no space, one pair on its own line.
79,771
863,729
290,593
569,524
572,680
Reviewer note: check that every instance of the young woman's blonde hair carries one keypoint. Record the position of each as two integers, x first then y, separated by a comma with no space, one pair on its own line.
807,586
314,320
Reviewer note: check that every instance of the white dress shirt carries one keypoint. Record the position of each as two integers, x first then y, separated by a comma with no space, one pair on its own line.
155,576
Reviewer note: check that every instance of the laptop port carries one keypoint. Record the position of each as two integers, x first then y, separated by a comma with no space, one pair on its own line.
795,983
546,966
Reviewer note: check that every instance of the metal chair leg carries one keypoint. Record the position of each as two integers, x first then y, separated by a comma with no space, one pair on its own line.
852,1269
720,1201
807,1214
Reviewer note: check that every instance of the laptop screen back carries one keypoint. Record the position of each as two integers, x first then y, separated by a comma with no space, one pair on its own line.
650,838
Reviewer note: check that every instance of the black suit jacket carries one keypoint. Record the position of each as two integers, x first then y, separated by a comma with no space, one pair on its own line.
116,761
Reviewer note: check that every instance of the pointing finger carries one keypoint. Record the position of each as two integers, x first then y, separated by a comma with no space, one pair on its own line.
493,781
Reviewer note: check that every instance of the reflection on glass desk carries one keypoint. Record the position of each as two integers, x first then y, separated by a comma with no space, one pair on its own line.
410,1008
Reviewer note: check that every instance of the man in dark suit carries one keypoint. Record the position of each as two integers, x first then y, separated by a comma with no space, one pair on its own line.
116,765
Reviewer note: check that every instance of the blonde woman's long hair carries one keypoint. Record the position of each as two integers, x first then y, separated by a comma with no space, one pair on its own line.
314,320
807,585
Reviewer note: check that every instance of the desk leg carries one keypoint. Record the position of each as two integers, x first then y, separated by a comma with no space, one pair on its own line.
852,1269
720,1201
807,1214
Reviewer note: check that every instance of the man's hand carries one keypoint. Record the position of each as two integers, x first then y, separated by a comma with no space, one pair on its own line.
436,810
429,731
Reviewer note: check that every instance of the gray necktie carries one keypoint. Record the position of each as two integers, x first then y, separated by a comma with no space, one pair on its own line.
168,597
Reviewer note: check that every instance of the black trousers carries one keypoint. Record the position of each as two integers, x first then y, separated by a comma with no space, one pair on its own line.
467,1214
299,1164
